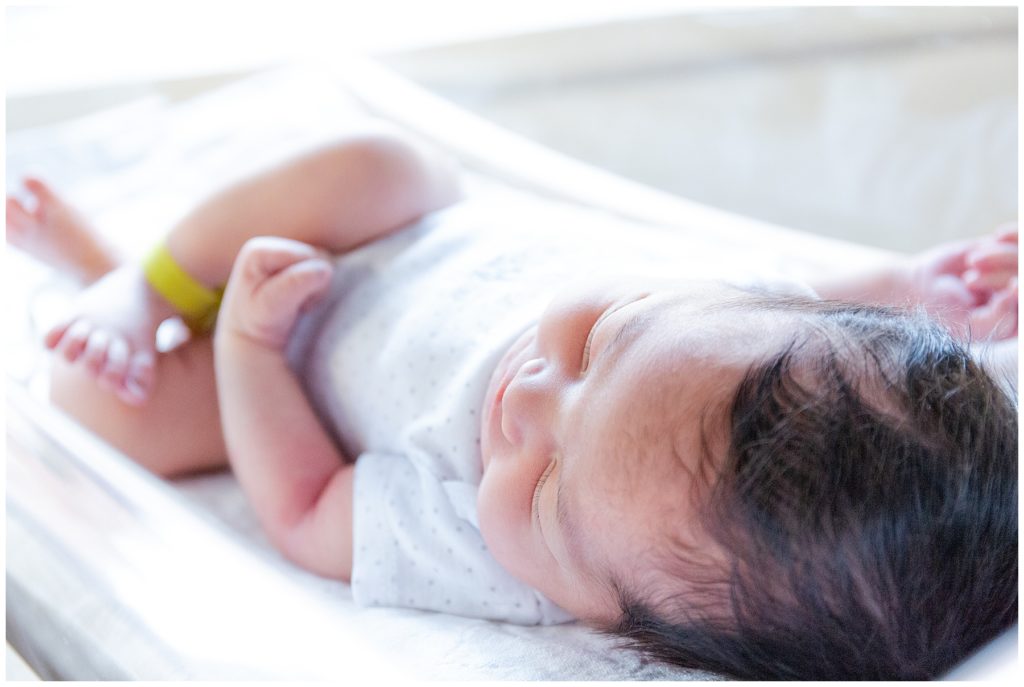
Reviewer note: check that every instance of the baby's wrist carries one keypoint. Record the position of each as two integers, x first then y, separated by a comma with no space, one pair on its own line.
902,280
231,343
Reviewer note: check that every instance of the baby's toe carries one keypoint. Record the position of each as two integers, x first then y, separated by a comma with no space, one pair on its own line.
41,190
55,334
113,372
139,379
95,354
73,343
18,219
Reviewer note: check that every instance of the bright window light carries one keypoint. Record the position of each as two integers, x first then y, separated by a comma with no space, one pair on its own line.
71,46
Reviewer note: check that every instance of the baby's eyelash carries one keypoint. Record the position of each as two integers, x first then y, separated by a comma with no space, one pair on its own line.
593,330
540,485
586,352
590,338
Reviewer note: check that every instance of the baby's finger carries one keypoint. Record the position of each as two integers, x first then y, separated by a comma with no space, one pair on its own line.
95,354
993,256
74,340
1007,232
978,281
112,374
289,290
265,256
997,319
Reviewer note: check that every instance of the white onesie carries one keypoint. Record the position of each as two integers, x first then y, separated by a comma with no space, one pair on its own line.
397,358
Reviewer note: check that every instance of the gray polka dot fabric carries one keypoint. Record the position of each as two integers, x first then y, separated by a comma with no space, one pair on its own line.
396,361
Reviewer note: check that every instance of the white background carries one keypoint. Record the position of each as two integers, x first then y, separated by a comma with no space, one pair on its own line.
70,46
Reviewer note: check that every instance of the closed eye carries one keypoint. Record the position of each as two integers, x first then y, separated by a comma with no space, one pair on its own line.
586,353
593,331
590,339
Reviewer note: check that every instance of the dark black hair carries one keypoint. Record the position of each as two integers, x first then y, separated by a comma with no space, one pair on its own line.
867,506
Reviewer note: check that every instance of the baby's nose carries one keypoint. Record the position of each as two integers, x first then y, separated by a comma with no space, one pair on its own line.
527,407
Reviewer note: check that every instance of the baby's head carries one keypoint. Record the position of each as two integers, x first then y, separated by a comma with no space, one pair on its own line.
759,485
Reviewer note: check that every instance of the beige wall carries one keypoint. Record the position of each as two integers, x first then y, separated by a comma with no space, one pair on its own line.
892,127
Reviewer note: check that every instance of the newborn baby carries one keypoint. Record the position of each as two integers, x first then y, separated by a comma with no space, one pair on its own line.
766,481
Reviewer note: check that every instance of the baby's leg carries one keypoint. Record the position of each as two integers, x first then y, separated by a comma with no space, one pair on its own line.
336,198
178,429
54,232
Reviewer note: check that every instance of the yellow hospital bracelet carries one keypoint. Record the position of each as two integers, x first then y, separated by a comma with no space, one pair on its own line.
196,304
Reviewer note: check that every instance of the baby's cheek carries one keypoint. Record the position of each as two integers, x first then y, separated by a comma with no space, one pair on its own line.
501,525
489,513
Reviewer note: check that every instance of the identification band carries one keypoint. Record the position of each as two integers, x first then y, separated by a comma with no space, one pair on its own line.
196,304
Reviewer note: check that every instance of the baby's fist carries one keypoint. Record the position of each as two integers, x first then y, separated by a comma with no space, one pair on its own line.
272,282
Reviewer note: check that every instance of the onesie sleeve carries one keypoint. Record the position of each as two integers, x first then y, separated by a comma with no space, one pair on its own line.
416,545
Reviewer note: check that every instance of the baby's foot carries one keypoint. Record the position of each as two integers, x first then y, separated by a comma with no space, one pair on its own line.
53,232
111,330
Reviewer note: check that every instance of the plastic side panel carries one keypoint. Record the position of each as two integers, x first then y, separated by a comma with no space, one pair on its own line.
110,575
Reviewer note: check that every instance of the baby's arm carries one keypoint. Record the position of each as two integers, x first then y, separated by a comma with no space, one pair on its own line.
298,482
970,286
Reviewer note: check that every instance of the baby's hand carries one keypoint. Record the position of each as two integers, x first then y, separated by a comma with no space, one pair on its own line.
971,285
273,280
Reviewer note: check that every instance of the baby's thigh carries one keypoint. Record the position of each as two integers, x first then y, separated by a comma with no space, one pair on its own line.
177,431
